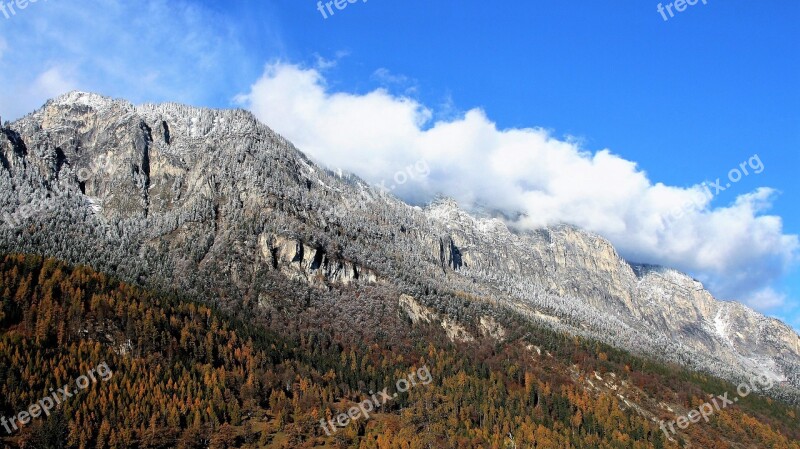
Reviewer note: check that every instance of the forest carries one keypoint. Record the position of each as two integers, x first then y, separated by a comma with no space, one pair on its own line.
189,374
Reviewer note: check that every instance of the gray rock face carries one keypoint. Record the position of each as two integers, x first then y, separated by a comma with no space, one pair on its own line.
206,201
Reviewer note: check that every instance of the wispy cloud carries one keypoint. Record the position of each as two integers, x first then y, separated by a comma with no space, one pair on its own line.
53,81
738,249
323,63
767,299
150,50
391,80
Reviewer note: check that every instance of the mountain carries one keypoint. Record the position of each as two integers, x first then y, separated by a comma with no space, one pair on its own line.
214,204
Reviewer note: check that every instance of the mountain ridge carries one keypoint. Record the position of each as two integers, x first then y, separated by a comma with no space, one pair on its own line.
199,199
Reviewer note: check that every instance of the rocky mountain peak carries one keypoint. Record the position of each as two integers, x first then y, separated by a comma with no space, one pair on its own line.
209,201
88,99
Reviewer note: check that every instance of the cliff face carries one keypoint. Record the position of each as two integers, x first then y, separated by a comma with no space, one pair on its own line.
206,201
578,276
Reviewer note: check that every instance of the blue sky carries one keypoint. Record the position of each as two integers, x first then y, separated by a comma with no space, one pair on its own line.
683,101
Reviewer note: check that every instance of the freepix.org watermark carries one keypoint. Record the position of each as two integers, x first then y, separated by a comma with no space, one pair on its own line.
679,5
363,409
56,398
327,8
761,383
415,172
10,8
713,189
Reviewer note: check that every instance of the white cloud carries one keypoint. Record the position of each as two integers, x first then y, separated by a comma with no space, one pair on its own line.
47,84
325,64
150,50
766,299
738,250
388,79
53,82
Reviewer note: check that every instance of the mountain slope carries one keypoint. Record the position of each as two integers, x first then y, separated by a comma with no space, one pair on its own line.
185,375
212,202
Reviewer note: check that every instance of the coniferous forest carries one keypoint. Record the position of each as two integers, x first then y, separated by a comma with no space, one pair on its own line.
189,375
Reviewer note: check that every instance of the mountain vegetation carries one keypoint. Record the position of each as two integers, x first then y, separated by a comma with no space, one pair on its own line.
190,375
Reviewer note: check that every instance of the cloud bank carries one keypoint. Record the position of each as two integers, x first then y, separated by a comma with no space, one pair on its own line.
737,250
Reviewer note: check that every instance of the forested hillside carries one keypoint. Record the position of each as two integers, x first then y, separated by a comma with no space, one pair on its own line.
189,376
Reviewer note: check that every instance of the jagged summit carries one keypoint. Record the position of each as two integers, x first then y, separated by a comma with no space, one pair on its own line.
191,117
446,208
81,98
100,102
206,201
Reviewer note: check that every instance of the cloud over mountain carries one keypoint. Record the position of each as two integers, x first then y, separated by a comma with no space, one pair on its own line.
738,249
